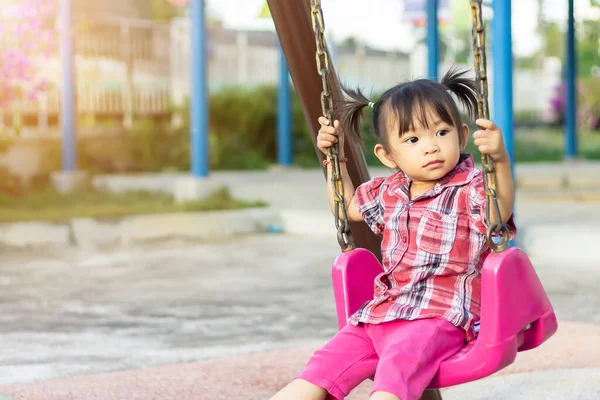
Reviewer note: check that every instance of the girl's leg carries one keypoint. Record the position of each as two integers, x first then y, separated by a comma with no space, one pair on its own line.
335,369
410,353
384,396
301,389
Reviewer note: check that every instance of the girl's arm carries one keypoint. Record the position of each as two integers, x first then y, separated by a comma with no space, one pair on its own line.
328,135
505,190
489,141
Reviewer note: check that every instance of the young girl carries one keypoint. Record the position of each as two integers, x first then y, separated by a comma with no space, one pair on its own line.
431,214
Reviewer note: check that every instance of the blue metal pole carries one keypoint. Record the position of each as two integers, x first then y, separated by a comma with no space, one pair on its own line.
432,39
199,102
570,78
284,131
503,73
503,76
69,148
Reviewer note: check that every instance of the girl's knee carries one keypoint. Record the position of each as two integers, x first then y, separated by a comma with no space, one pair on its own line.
301,389
384,396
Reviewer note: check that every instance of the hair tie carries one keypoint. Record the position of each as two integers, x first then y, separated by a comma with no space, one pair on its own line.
371,104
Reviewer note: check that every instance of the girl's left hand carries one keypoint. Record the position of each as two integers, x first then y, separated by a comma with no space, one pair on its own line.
489,140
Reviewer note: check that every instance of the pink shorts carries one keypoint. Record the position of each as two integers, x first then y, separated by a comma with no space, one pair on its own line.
403,356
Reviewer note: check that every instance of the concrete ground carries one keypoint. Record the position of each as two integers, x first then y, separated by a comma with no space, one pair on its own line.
244,313
557,206
238,318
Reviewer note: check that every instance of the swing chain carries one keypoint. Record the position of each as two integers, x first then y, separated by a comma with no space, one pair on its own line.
489,173
344,234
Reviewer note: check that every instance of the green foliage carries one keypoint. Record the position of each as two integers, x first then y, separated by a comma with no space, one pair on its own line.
553,40
589,102
464,47
163,10
526,62
5,143
156,146
553,45
547,144
243,125
243,129
243,136
588,47
160,10
10,184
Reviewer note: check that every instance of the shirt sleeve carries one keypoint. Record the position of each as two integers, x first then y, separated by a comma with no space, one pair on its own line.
477,208
369,201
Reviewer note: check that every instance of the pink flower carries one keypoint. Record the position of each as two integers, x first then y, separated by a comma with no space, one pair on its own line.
25,21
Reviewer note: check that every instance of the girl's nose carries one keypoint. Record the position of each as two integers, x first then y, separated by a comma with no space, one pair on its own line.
432,148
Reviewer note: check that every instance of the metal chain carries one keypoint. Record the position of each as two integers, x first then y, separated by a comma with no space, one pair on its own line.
489,173
344,234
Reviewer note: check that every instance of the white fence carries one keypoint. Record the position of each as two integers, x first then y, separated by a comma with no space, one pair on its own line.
248,58
140,67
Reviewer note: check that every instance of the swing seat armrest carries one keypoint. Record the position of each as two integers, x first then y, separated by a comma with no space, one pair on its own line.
353,276
516,315
512,298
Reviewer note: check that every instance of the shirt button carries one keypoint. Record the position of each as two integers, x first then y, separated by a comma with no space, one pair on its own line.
404,239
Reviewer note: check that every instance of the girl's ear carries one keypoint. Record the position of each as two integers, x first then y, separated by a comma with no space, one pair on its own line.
465,136
384,157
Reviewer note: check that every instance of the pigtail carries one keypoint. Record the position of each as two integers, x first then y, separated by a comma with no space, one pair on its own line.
464,88
350,111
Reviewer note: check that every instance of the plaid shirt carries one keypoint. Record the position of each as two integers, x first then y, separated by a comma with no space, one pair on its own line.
433,247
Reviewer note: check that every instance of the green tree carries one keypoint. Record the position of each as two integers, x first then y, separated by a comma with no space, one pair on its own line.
588,47
463,46
350,42
164,10
160,10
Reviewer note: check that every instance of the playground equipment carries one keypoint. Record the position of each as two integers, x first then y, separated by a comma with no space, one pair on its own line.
516,314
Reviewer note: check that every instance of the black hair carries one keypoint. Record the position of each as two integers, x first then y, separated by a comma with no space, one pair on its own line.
410,100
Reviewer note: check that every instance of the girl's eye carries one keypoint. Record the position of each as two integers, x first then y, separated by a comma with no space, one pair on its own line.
443,132
411,140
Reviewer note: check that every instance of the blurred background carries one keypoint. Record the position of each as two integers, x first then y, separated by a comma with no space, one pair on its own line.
132,78
112,269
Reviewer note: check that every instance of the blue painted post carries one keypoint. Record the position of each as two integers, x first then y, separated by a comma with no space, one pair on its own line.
284,131
199,102
503,76
432,39
503,73
67,115
570,78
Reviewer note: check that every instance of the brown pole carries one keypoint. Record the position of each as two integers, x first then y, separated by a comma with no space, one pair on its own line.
294,27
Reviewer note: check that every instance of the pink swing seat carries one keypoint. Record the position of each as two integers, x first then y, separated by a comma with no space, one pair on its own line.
516,314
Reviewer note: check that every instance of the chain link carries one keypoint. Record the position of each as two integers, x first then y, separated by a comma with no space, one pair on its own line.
344,234
489,173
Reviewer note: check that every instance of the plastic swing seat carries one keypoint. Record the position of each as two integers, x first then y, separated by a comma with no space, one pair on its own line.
516,314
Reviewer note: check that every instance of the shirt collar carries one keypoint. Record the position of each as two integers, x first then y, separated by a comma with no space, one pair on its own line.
460,175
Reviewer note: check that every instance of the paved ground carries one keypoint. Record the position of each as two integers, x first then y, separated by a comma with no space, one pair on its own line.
69,312
258,376
74,312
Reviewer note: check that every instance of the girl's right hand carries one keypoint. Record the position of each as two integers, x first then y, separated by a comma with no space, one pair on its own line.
328,135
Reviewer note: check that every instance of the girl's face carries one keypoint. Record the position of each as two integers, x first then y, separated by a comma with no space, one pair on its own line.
424,154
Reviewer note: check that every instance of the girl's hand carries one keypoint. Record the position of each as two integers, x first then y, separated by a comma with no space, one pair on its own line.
489,140
328,135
